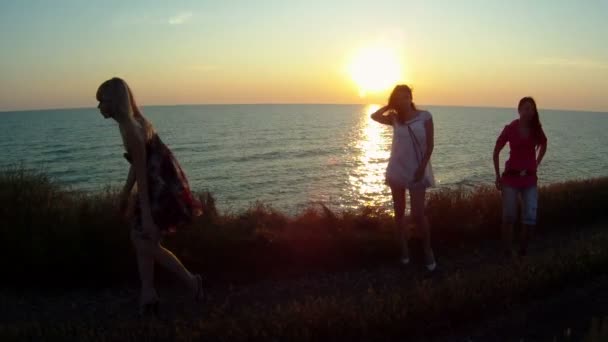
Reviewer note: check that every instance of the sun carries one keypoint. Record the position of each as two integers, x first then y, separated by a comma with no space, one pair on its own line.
375,69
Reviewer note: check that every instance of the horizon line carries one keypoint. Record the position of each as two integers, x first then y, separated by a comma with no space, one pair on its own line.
294,104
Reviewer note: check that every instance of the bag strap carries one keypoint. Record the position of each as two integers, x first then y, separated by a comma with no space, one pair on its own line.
416,143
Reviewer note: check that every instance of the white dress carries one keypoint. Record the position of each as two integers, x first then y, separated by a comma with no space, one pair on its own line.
407,151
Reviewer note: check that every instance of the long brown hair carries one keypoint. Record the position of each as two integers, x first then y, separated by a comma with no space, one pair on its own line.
392,100
537,127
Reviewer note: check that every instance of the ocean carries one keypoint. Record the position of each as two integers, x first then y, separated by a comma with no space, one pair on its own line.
292,156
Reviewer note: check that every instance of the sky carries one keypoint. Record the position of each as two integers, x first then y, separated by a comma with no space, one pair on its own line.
54,54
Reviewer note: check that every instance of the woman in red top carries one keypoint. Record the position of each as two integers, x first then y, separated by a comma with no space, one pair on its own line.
528,144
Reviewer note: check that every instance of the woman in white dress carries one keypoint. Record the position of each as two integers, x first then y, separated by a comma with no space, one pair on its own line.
409,165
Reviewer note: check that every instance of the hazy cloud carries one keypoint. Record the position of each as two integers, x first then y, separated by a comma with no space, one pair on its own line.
203,67
573,63
180,18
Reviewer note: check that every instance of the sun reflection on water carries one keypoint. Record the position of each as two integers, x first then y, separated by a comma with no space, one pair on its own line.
372,147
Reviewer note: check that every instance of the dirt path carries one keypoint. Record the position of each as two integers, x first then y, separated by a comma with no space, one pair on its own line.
536,320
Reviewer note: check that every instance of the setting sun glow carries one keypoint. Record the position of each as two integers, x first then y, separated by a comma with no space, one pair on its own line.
375,69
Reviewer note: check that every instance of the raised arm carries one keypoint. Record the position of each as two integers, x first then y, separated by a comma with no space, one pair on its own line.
381,118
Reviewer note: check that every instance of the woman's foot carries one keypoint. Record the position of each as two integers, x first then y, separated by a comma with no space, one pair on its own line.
405,252
198,288
431,265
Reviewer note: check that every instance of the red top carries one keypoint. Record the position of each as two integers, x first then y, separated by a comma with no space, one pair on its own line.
522,156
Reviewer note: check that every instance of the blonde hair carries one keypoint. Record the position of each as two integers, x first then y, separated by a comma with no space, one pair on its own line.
124,108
